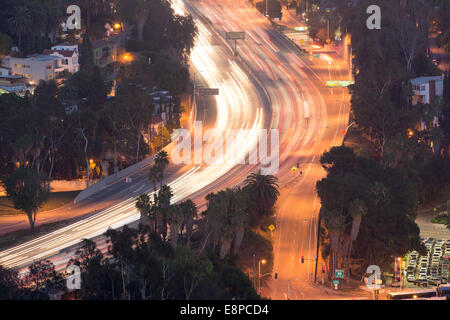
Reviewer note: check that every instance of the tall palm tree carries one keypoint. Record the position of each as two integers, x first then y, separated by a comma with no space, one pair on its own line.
189,210
20,21
144,205
162,159
335,224
357,209
263,194
154,175
142,12
164,196
174,219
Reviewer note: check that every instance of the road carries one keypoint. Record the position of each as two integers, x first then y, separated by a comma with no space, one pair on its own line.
268,85
311,118
234,109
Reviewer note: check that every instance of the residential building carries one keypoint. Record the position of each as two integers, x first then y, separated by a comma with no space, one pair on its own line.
34,68
5,71
426,89
106,56
68,60
14,84
67,46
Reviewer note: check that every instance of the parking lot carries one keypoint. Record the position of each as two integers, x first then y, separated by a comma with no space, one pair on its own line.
431,269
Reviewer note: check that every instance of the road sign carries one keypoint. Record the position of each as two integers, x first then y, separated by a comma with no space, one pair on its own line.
339,274
208,91
293,169
235,35
336,282
271,227
340,83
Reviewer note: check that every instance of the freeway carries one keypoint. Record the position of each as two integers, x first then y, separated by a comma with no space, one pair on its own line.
234,109
311,119
269,84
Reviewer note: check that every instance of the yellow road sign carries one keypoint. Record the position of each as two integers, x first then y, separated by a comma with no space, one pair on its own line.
293,169
271,227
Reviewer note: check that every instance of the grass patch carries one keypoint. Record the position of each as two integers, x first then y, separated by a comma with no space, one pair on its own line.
440,219
440,204
55,200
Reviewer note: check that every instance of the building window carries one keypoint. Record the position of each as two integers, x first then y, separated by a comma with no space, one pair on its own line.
49,77
49,67
22,66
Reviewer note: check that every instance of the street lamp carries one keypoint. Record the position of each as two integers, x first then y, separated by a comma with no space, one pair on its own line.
263,261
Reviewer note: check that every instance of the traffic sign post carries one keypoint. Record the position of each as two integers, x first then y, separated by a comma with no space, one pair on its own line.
235,35
208,91
339,274
336,284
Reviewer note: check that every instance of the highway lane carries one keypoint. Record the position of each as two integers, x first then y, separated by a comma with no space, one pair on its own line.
235,109
310,117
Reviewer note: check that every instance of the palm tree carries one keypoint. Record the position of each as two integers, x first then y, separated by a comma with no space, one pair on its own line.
164,196
226,219
357,209
335,224
142,12
154,175
20,21
263,194
162,160
174,219
189,211
144,205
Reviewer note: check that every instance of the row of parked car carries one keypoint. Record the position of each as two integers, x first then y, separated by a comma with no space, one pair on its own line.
432,268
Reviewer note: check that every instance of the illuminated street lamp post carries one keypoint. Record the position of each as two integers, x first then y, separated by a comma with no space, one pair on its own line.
263,261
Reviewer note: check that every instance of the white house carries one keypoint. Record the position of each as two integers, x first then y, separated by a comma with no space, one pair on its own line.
68,60
426,89
5,71
67,46
34,68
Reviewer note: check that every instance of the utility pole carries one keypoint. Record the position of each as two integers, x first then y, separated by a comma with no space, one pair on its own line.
259,277
254,272
267,7
317,246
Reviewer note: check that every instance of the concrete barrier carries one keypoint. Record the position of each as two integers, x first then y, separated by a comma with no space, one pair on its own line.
105,182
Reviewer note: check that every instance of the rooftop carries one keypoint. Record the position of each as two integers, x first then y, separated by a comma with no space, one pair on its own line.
101,43
64,53
425,79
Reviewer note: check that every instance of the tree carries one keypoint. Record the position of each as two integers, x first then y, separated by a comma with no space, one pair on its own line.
5,44
189,211
87,56
174,219
28,190
9,284
226,220
162,160
20,21
43,276
90,9
163,204
357,209
262,193
144,205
